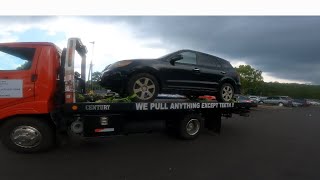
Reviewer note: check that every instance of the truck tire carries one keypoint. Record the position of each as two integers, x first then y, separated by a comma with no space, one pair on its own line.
27,135
144,86
190,126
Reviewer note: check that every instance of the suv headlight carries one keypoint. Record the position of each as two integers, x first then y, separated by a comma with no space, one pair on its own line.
120,64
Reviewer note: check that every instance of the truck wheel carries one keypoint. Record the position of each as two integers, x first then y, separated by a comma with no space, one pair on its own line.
27,135
144,86
226,93
190,126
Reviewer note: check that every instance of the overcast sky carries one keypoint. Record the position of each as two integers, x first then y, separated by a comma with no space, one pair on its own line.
284,48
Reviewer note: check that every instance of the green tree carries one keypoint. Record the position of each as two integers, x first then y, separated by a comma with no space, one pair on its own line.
291,89
96,76
95,81
251,79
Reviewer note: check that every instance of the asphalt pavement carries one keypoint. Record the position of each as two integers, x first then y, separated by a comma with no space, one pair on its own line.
270,144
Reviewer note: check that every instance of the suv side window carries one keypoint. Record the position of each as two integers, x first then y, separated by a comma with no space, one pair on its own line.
188,58
16,58
208,61
225,64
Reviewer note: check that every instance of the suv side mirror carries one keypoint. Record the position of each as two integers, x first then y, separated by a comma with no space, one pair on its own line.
175,58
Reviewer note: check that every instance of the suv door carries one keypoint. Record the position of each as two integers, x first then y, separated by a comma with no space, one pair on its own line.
210,72
184,73
17,75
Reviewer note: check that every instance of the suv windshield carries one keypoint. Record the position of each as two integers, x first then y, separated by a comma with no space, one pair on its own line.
167,55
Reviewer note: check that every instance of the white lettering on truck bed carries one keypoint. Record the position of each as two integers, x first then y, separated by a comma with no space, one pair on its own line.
97,107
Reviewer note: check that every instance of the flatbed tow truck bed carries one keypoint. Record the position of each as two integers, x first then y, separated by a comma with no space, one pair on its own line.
105,119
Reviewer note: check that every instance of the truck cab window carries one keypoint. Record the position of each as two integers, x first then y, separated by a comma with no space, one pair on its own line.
16,58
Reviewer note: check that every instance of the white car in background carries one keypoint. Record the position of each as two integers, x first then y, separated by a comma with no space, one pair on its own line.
279,100
255,99
314,102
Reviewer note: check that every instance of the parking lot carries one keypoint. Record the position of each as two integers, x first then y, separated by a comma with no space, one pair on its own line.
273,143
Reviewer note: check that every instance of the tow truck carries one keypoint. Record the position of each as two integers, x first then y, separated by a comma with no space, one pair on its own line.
38,103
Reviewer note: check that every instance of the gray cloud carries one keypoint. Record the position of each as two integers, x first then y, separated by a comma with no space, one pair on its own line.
286,47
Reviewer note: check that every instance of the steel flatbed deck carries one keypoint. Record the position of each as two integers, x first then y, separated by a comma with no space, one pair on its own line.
105,119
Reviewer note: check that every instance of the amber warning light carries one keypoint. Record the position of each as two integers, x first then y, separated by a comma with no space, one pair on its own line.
74,107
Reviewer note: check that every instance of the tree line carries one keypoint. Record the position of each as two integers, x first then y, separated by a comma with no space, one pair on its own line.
252,84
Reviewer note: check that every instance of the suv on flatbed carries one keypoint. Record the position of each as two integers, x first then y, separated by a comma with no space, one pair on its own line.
184,72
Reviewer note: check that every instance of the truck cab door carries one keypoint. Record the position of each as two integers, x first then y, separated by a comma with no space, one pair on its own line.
17,74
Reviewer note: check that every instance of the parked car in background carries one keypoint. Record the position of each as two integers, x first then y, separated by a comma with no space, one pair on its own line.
297,103
279,100
245,99
255,99
300,103
314,102
262,98
184,72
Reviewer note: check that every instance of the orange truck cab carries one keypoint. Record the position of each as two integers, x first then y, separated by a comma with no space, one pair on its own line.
34,82
28,78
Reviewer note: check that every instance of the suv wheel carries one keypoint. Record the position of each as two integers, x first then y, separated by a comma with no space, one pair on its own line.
226,93
144,86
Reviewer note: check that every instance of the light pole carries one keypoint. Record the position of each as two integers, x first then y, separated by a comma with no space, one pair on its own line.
90,67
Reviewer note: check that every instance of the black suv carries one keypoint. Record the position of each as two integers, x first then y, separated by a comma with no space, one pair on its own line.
185,72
